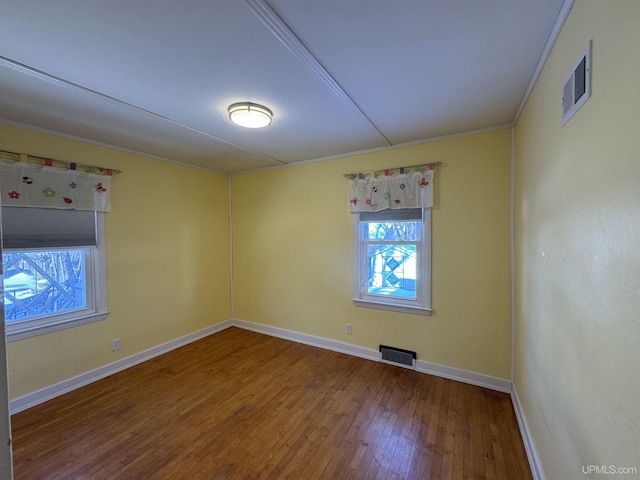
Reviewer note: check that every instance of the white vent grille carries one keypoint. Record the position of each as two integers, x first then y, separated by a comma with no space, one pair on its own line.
576,89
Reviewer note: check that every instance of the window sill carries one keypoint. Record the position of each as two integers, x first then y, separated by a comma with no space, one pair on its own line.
15,332
394,307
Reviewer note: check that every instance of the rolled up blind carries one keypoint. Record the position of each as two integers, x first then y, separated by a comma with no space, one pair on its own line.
389,215
32,228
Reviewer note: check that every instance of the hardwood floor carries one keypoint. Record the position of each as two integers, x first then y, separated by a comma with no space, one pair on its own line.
241,405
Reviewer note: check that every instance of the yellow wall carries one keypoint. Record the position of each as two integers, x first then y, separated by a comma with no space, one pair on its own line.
577,250
167,256
293,253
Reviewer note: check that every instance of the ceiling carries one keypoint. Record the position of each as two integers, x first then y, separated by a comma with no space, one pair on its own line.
341,76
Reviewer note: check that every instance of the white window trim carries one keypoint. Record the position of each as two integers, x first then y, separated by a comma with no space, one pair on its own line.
424,274
21,330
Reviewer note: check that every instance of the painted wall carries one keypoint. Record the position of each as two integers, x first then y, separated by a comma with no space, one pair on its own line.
577,252
167,256
293,253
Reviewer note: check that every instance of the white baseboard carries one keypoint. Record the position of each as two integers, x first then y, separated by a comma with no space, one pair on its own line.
40,396
460,375
307,339
529,446
465,376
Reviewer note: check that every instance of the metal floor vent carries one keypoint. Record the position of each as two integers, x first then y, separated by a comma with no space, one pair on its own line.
398,356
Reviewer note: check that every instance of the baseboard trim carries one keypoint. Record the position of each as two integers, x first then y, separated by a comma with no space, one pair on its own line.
40,396
458,374
465,376
307,339
529,445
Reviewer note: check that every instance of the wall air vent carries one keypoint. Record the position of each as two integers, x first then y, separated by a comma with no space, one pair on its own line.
576,89
397,356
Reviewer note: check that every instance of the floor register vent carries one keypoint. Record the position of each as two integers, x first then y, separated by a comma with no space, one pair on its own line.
398,356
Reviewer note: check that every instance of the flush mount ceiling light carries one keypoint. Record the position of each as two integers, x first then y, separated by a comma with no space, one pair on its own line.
250,115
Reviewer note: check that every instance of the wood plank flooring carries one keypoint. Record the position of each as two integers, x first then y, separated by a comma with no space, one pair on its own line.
241,405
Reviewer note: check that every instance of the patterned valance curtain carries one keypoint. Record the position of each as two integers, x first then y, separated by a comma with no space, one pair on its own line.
29,185
404,190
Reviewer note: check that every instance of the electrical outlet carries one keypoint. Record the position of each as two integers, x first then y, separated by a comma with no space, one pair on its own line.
348,329
115,344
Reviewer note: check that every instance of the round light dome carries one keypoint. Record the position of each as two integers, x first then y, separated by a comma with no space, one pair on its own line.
250,115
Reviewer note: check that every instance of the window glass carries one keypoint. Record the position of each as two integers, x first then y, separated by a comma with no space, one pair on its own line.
393,231
391,270
391,266
44,282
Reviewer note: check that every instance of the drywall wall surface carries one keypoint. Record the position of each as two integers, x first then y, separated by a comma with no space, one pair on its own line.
294,242
167,259
577,257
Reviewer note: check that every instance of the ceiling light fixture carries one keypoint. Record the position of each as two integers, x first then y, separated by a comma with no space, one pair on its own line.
250,115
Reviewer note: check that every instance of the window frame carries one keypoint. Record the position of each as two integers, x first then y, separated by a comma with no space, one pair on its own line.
96,286
422,304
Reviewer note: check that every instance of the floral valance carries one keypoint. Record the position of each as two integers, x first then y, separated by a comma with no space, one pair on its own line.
405,190
29,185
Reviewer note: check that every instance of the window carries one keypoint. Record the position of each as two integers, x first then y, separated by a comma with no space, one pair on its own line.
54,274
392,255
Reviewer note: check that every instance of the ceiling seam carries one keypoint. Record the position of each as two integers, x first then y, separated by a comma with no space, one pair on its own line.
60,82
285,34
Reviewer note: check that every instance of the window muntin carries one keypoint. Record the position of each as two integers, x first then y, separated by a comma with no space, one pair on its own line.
393,260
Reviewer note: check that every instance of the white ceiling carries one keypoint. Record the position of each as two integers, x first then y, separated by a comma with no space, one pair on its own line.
341,76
